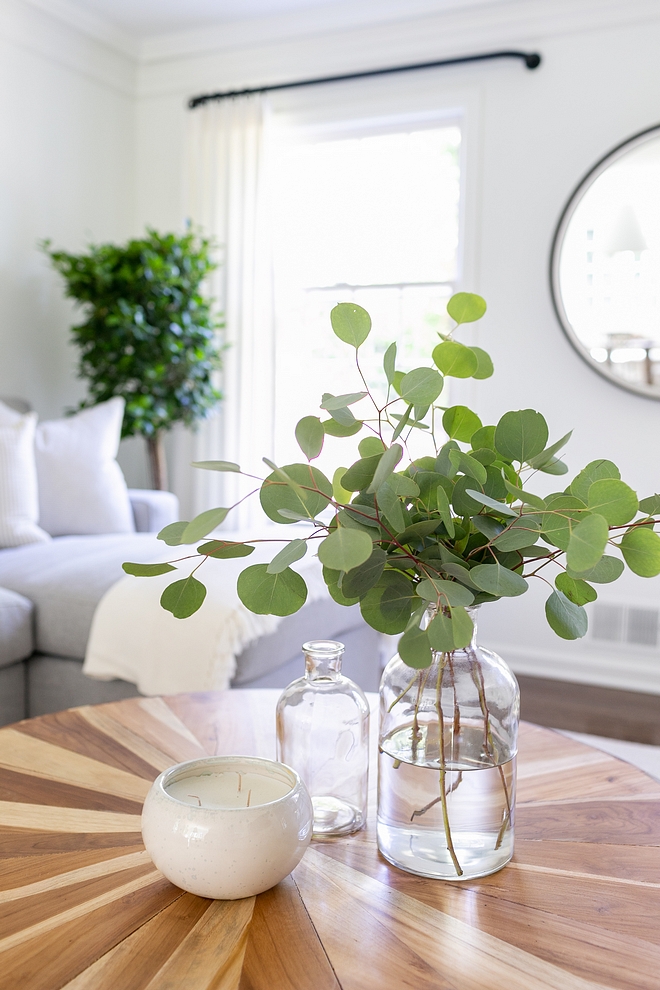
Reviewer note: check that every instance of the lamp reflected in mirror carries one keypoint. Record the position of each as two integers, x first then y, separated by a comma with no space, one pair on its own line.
605,266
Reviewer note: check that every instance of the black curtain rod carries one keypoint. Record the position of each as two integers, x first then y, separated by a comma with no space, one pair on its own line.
531,59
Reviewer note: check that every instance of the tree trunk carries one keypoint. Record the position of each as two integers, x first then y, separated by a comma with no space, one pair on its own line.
157,462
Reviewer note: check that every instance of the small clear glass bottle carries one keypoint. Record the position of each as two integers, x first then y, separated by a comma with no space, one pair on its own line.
323,734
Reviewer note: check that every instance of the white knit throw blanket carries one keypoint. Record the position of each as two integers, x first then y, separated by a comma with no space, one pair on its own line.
134,638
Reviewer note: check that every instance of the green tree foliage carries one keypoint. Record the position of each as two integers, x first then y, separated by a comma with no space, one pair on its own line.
149,334
455,528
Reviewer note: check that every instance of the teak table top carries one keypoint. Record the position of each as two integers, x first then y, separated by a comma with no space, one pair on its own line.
82,907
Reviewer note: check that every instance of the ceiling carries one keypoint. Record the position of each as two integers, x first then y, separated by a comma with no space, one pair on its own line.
143,19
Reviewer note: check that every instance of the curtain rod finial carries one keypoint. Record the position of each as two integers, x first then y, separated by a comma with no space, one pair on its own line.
532,61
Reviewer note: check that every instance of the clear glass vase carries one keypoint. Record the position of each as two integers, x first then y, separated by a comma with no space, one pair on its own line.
323,734
447,763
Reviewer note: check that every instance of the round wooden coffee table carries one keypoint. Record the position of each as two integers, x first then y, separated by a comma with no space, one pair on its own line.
82,906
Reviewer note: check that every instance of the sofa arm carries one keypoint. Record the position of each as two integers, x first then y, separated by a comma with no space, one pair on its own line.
153,510
16,627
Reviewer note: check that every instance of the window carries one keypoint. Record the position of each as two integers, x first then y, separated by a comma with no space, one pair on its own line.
373,217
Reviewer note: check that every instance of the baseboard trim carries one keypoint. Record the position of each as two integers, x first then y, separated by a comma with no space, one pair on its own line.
600,711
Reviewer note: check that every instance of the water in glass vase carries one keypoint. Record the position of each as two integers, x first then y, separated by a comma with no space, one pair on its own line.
479,804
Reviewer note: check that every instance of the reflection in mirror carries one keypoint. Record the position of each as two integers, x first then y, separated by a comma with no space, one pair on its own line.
606,265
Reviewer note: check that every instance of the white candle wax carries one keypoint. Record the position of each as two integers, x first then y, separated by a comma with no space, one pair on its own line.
227,789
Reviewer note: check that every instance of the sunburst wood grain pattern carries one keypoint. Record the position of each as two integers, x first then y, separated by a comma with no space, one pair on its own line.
82,907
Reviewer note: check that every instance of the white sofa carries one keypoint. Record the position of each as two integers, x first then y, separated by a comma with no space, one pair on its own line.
48,594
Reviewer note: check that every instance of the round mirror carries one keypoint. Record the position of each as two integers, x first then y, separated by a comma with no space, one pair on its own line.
606,265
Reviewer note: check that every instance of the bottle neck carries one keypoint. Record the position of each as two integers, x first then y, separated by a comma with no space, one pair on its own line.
472,611
323,660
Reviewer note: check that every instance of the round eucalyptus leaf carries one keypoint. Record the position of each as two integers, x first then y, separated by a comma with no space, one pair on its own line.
339,493
460,423
594,471
450,632
498,507
607,569
203,524
484,437
385,467
449,592
183,598
335,429
576,590
331,579
275,494
332,402
523,532
466,307
371,446
564,512
360,474
359,580
468,465
310,436
464,505
288,555
402,485
146,570
487,526
390,505
641,551
650,505
587,542
483,455
271,594
171,535
344,417
521,434
414,648
566,619
614,500
389,361
554,466
224,550
345,549
217,466
350,323
455,360
498,580
422,386
484,364
387,606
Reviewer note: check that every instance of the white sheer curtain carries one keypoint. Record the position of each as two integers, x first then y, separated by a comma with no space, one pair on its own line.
226,197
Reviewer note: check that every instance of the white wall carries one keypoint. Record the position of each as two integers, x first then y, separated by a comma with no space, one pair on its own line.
536,134
83,161
67,173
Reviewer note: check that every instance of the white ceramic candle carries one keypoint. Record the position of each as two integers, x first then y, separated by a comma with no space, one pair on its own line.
227,826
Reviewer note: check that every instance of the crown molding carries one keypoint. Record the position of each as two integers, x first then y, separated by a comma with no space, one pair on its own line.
450,24
453,17
90,24
303,22
498,24
29,26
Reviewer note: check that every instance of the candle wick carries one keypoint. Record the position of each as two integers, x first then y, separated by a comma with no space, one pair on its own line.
248,800
240,781
196,798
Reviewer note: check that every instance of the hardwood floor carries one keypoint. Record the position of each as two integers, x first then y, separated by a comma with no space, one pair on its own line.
600,711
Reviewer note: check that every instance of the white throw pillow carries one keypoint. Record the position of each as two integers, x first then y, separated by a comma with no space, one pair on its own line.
81,487
19,501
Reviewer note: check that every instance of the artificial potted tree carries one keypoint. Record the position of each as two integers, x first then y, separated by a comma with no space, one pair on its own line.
149,335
